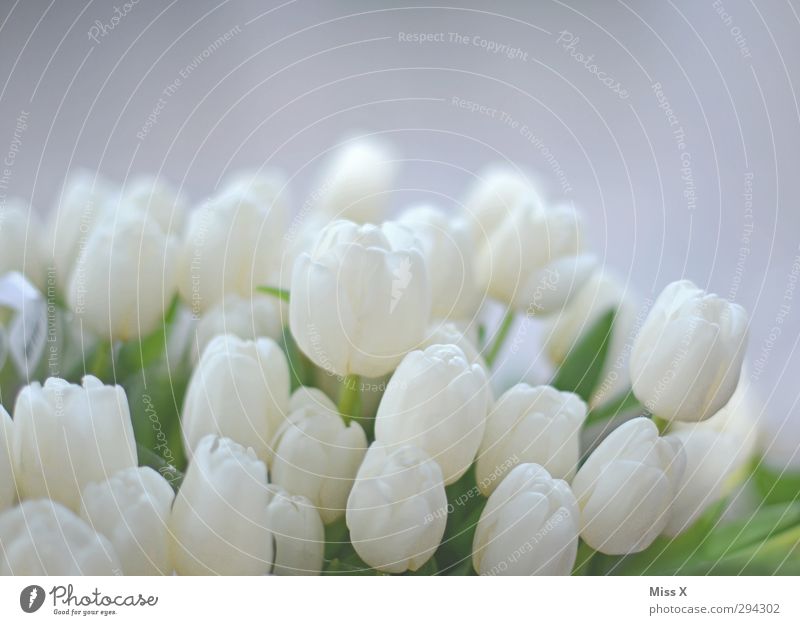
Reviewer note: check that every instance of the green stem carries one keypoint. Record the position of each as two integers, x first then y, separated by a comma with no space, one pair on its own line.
623,403
500,337
661,424
350,398
583,561
101,360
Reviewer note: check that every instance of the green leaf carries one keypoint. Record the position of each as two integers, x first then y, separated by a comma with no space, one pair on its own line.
581,370
275,291
774,486
300,366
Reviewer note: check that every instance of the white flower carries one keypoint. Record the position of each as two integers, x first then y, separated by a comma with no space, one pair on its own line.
493,196
602,293
317,455
219,518
397,509
233,244
535,424
532,260
686,360
449,333
239,389
357,303
245,317
298,532
626,487
157,200
124,278
529,526
21,248
450,257
132,510
66,436
268,187
311,398
42,537
8,488
437,401
357,182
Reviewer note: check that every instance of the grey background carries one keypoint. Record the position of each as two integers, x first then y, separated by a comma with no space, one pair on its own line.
295,78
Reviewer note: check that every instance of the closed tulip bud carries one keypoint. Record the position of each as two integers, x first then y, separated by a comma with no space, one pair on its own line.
532,260
397,510
492,198
311,398
268,187
450,257
529,526
8,488
20,246
66,436
317,455
298,532
357,182
239,389
436,400
219,518
687,358
626,487
531,424
157,200
42,537
233,244
124,278
358,304
602,293
448,333
245,317
132,510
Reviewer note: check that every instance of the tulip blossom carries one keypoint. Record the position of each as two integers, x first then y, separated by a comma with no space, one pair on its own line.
8,488
298,533
493,196
157,200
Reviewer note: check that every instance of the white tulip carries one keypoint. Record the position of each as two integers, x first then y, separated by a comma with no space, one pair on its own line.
602,293
437,401
529,526
239,389
219,518
157,200
626,487
21,248
233,244
448,333
357,182
532,260
8,487
269,187
450,257
66,436
397,510
42,537
358,304
493,196
124,278
298,532
686,360
245,317
535,424
311,398
132,509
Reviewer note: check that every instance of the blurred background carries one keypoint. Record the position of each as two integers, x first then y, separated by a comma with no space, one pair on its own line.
674,126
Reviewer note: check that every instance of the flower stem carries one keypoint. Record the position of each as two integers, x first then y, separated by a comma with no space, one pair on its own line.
500,337
102,360
350,398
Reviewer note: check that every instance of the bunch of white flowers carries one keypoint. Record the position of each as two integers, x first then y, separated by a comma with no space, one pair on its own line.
317,393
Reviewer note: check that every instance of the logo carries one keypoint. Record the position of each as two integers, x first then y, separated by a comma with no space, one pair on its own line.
31,598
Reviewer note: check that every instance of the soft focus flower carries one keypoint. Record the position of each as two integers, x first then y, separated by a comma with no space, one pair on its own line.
493,196
66,436
626,487
449,333
449,254
397,509
239,389
21,247
131,509
42,537
358,304
436,400
245,317
317,455
219,518
533,261
157,200
124,278
529,526
536,424
602,293
357,182
233,244
269,187
311,398
686,360
298,532
8,488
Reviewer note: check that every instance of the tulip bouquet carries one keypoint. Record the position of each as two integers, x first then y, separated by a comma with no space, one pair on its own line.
251,389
